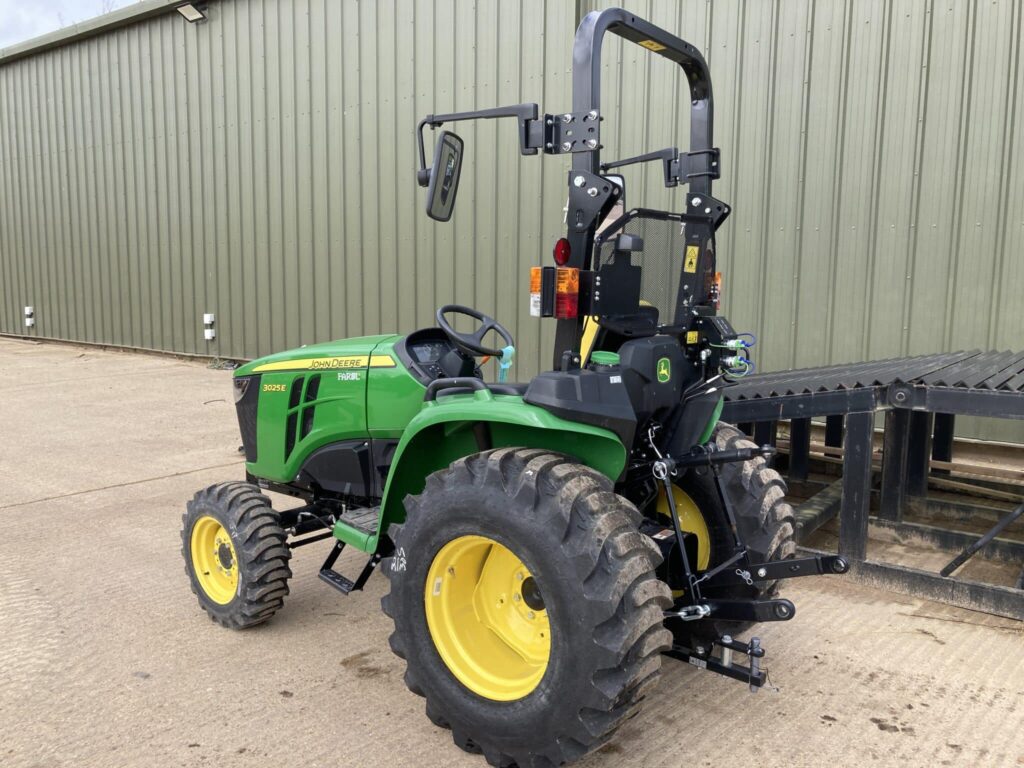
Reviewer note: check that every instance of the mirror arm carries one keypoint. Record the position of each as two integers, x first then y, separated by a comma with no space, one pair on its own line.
669,157
678,169
531,131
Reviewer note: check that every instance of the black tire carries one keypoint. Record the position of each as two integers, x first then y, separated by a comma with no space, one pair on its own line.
260,549
764,518
596,571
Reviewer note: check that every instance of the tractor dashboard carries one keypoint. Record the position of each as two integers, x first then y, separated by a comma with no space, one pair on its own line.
428,354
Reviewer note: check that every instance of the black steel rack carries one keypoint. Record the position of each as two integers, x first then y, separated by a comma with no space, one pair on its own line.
921,398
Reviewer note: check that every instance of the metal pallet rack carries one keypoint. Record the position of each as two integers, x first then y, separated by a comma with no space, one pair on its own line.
921,398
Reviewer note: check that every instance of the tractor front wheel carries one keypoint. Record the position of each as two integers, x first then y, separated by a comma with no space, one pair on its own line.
526,605
236,555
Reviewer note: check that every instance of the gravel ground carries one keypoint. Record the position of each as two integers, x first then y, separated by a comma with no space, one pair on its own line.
106,659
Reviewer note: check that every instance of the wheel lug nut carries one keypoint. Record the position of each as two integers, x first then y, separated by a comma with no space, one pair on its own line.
532,615
451,571
519,576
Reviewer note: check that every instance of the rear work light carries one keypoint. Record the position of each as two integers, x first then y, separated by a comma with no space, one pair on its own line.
554,292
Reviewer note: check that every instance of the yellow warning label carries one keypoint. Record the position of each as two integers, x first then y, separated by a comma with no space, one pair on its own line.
692,337
650,45
692,253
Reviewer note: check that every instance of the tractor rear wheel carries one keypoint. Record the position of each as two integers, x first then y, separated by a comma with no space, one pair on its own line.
763,516
526,605
236,555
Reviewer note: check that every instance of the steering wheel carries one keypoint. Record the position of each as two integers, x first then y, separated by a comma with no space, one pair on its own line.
473,342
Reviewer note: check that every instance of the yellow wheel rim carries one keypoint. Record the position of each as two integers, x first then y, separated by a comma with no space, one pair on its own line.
486,616
213,560
690,520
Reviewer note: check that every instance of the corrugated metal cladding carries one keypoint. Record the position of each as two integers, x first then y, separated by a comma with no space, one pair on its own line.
260,166
873,157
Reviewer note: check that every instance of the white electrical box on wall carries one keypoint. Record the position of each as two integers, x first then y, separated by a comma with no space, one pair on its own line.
30,316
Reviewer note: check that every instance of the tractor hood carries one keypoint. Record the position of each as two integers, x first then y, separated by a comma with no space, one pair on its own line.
331,355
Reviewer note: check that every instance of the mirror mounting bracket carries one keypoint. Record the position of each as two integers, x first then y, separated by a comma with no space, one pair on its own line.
531,134
572,132
590,198
565,133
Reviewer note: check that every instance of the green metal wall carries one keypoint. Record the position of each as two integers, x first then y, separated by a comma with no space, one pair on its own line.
260,166
873,158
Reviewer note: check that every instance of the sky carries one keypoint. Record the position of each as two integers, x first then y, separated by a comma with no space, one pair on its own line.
21,21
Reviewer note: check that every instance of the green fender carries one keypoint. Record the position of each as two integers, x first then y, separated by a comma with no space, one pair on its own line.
443,432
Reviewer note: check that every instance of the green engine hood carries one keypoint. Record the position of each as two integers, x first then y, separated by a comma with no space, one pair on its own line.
331,355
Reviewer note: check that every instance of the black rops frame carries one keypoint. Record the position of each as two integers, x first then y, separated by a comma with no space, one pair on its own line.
586,96
578,133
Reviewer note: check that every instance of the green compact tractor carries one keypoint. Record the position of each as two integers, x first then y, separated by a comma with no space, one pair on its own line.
547,542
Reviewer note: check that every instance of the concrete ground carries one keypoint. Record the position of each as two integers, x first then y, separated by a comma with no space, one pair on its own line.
106,659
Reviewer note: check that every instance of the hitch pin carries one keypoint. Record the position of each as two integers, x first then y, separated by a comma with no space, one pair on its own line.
726,651
755,662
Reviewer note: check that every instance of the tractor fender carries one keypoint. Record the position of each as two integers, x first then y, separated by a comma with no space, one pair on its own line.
459,425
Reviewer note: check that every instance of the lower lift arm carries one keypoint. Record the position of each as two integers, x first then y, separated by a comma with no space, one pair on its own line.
735,570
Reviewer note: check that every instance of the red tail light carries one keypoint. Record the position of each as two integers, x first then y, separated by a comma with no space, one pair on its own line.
562,252
567,293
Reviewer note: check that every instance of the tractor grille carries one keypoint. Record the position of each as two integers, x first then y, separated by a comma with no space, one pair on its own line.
246,411
661,260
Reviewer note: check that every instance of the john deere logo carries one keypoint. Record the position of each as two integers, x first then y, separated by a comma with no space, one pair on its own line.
664,370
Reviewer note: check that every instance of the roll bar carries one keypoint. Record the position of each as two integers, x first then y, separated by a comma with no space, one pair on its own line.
586,79
592,196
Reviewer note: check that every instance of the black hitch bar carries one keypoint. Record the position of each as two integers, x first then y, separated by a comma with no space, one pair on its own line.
702,658
752,610
702,457
776,570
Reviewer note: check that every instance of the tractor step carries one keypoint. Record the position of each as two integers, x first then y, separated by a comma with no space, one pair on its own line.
341,583
362,519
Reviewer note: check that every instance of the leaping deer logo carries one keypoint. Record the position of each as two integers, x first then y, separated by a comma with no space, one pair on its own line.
664,370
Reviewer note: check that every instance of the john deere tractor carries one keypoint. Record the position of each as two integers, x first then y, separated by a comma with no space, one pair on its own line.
547,543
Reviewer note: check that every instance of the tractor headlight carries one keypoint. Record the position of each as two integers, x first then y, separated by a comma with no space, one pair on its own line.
240,385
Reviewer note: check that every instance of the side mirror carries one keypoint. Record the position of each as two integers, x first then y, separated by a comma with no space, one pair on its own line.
444,176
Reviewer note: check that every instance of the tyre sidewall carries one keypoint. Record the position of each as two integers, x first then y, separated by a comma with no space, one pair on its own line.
199,508
261,552
567,676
